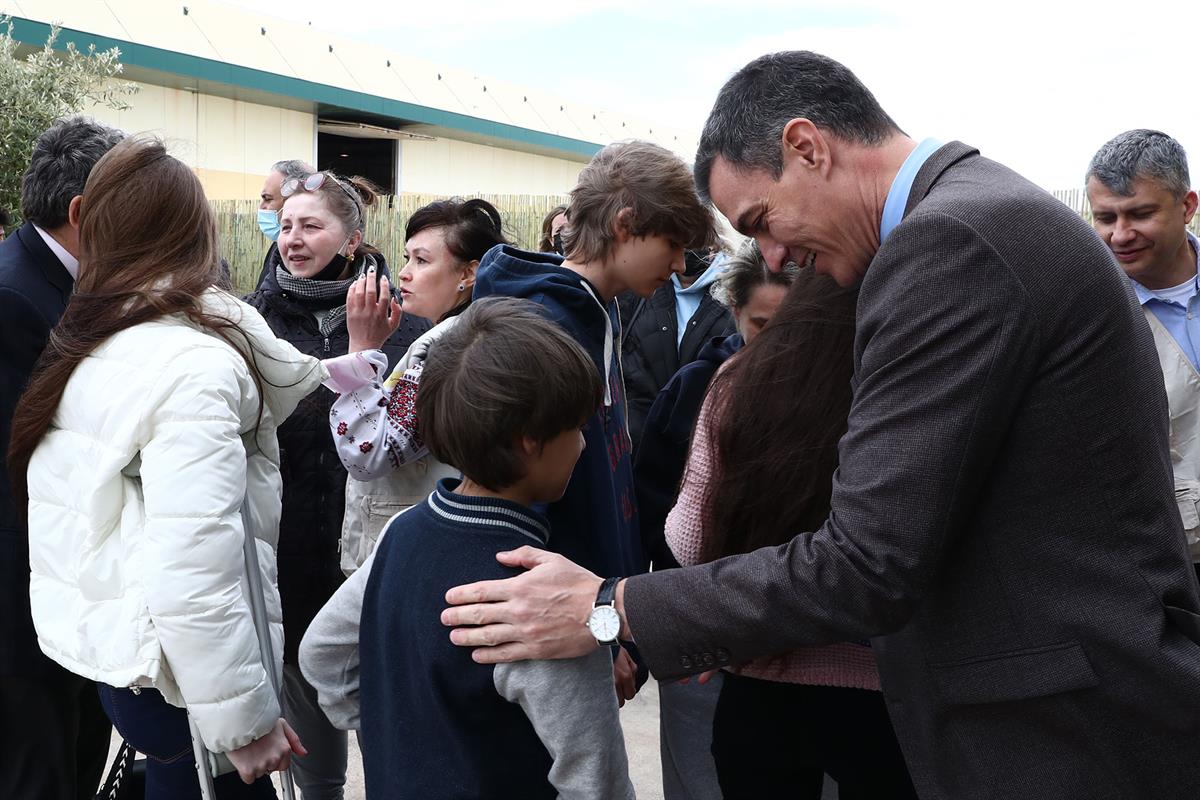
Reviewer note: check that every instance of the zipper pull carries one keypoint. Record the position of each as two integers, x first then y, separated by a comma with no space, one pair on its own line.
326,344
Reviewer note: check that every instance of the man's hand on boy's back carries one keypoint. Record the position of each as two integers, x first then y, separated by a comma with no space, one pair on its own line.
539,614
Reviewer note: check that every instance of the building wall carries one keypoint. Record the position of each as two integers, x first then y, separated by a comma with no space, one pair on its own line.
447,166
231,144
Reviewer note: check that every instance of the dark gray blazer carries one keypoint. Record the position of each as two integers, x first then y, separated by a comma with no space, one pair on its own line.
1003,520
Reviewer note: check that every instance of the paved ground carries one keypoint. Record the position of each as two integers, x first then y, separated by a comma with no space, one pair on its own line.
639,718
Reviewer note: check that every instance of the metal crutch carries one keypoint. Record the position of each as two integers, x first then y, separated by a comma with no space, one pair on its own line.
208,764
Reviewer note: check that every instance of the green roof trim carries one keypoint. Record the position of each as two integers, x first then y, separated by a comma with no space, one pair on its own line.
34,33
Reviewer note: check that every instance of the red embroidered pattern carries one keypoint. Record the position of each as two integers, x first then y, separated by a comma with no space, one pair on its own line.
402,409
342,428
366,447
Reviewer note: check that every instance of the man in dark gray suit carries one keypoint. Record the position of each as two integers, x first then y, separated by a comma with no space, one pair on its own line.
1003,524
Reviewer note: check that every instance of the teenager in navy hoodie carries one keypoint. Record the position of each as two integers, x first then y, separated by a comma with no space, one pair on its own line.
630,218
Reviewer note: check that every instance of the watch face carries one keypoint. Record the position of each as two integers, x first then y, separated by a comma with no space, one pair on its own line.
605,623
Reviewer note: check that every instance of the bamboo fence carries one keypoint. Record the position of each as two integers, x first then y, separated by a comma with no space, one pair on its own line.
244,246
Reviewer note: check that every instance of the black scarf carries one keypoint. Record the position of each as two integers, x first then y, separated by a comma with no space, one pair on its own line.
318,294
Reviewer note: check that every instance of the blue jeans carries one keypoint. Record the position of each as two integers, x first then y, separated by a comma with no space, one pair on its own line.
160,731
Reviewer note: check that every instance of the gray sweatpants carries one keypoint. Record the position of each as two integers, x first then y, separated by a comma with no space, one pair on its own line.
321,774
685,729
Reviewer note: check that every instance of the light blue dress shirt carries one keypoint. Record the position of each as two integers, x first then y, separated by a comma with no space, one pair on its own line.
687,301
897,199
1181,321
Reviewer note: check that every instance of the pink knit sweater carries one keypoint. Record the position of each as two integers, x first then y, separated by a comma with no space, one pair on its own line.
847,665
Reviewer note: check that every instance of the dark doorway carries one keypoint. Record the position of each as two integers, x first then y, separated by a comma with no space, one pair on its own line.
374,159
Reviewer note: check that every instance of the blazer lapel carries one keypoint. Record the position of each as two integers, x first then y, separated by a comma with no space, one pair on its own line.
942,159
47,263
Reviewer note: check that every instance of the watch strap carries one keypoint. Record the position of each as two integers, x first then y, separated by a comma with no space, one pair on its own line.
607,595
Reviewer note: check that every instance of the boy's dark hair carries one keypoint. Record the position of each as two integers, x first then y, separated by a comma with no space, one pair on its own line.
502,372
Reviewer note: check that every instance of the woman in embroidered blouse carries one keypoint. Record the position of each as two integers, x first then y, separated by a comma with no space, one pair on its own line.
760,467
373,423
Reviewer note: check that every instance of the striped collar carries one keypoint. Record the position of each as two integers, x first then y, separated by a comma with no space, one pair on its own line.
487,512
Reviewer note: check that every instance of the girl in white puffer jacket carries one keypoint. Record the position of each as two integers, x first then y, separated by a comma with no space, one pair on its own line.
151,417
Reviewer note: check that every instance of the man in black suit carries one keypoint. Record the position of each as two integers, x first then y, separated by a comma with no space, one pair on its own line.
54,735
1003,525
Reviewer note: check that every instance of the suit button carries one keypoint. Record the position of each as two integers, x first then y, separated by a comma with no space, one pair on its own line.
685,662
708,660
722,656
664,327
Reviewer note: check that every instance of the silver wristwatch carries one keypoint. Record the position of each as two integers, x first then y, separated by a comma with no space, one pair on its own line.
604,622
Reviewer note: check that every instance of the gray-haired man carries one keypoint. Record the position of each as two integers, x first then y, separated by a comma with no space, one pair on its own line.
53,733
270,200
1142,202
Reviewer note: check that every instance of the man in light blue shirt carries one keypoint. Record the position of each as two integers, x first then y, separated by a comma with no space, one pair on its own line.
897,197
691,289
667,331
1142,203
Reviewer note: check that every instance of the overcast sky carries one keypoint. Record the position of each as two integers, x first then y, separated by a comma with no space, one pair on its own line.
1038,86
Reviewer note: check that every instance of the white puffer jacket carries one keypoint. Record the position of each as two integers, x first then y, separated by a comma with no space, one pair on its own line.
135,524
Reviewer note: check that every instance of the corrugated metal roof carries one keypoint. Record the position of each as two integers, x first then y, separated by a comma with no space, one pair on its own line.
228,45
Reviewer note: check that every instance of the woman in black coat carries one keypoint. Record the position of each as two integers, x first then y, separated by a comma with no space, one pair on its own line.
303,298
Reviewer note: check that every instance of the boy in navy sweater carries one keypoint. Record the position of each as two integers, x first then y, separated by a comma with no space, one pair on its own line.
503,398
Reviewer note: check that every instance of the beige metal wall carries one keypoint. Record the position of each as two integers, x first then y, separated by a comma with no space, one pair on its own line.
448,167
231,144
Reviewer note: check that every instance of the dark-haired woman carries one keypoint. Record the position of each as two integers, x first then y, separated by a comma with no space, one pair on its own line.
321,255
147,429
374,426
552,229
761,465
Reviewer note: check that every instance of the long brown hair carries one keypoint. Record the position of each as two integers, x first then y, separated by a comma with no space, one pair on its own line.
148,248
778,409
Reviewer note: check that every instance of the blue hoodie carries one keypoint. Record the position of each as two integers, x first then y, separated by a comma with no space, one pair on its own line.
595,523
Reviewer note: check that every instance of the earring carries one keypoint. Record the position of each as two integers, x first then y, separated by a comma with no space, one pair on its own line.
462,287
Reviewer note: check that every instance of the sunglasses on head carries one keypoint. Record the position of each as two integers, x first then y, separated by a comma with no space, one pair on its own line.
314,182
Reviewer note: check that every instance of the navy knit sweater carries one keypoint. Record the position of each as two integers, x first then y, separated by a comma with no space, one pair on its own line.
437,725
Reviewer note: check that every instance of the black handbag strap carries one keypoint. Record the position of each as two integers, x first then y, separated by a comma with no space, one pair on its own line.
121,768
